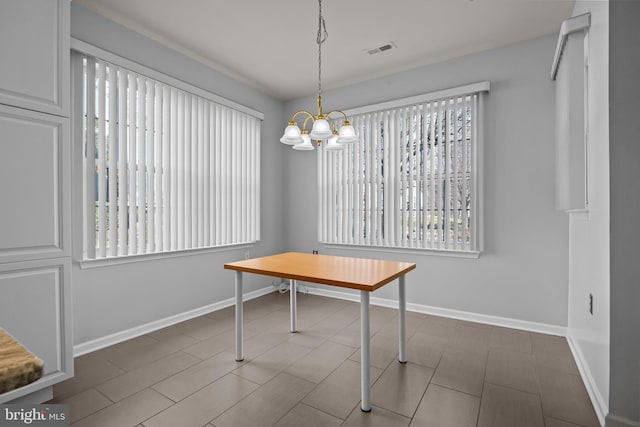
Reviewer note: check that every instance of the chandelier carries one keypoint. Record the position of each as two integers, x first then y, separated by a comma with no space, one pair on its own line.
324,125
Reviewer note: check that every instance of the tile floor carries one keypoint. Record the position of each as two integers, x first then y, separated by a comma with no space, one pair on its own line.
458,374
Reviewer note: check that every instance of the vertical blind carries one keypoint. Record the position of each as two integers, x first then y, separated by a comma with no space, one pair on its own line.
410,180
164,169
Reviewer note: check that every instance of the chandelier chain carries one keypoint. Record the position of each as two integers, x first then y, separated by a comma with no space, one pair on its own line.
322,36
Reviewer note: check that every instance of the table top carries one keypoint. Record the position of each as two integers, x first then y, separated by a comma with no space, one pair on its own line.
355,273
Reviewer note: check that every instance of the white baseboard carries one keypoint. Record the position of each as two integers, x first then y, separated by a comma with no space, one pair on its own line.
599,403
106,341
97,344
445,312
616,421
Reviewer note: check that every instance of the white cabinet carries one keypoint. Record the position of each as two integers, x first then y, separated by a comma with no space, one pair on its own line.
35,184
34,47
35,309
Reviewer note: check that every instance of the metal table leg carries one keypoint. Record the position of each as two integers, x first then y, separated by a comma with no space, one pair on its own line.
293,304
402,316
365,355
239,356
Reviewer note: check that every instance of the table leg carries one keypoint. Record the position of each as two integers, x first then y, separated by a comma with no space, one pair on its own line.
365,355
402,316
293,304
239,356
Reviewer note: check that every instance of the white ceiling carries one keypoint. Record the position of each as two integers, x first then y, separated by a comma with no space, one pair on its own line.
271,44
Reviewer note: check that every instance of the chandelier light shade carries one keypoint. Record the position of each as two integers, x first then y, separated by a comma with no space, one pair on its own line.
306,144
333,128
291,135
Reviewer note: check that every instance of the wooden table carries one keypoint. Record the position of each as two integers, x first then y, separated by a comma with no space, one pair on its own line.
365,275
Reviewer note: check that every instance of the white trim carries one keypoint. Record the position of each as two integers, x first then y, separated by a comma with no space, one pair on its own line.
414,251
506,322
127,259
118,337
419,99
571,25
618,421
599,403
89,49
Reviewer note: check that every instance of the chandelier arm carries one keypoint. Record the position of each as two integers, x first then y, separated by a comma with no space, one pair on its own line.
308,114
346,119
304,124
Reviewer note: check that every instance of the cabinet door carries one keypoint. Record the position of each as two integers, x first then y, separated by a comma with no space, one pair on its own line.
34,47
34,185
35,309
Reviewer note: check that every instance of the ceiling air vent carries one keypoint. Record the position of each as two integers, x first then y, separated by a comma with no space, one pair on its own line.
380,49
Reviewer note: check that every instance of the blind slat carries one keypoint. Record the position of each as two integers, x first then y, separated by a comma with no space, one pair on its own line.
406,181
89,159
164,169
101,169
113,162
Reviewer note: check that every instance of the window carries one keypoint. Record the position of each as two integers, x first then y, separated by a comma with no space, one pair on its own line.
165,169
411,180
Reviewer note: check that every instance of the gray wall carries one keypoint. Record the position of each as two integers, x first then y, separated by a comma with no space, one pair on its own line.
522,273
624,92
589,233
109,300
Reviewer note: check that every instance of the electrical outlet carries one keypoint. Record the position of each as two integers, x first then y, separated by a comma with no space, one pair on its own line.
591,304
246,255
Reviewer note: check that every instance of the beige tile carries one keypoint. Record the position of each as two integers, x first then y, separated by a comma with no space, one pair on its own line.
138,379
190,380
86,375
266,405
382,317
323,360
84,404
425,350
275,319
304,415
226,341
462,370
471,336
438,326
223,313
307,337
505,407
377,417
552,422
511,340
444,407
383,350
269,364
201,327
128,412
413,321
554,353
564,397
206,404
255,345
348,336
400,387
339,393
145,354
512,369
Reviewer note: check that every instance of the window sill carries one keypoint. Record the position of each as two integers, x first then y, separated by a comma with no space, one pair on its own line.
414,251
128,259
